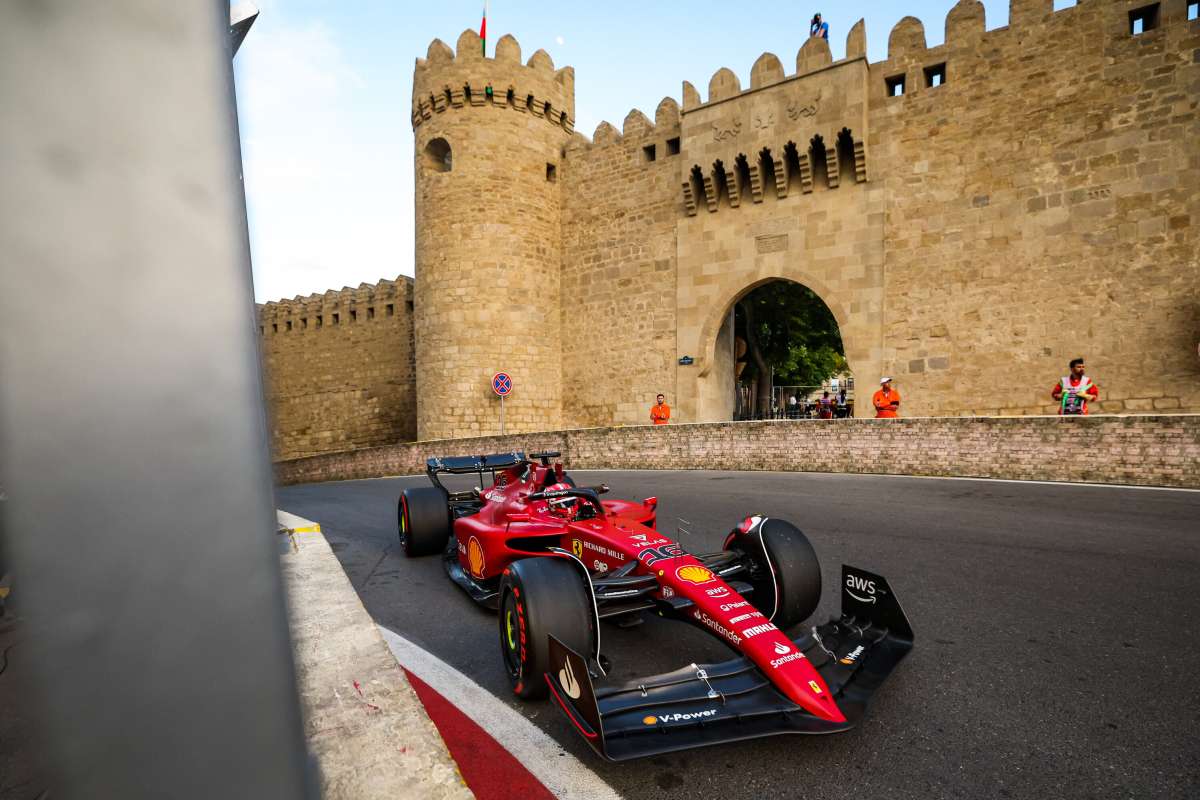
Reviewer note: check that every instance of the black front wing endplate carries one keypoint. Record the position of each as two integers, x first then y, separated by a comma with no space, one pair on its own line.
700,705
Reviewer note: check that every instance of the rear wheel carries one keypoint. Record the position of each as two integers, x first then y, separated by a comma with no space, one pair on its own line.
540,597
423,521
786,577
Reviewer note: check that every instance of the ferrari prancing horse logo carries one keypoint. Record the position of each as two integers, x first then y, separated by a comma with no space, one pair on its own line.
577,548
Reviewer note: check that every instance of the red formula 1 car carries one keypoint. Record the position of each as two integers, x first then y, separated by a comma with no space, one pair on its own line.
555,560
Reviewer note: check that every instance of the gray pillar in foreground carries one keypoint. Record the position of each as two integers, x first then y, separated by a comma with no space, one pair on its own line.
132,438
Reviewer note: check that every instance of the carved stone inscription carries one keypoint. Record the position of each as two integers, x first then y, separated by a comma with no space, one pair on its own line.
773,243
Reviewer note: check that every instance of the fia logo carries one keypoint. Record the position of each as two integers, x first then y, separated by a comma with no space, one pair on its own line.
566,679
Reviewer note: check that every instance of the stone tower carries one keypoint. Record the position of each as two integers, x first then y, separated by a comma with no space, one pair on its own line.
489,136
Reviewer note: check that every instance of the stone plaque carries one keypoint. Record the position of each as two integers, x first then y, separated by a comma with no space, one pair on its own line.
774,243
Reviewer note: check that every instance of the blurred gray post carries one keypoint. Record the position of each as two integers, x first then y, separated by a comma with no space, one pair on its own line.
132,438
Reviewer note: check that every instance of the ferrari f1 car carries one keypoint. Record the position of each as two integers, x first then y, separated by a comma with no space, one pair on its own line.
556,560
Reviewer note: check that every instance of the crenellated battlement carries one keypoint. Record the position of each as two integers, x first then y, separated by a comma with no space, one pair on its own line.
367,302
636,127
453,80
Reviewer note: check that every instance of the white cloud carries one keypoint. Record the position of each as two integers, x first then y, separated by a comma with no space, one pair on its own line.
328,175
560,40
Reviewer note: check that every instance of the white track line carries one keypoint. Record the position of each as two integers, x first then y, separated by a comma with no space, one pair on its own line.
559,771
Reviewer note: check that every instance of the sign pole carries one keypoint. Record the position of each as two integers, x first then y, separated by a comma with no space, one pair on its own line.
501,415
502,384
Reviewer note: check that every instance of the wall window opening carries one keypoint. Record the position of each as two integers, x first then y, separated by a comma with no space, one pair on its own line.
673,146
845,156
320,320
791,160
551,173
721,181
895,85
935,75
408,304
304,323
391,310
1143,20
649,153
274,327
438,155
766,169
353,315
370,312
289,324
1193,11
741,168
337,318
819,161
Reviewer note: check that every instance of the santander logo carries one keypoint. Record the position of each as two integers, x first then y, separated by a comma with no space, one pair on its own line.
782,649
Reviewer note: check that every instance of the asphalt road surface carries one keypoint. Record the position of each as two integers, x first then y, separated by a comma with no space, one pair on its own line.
1057,646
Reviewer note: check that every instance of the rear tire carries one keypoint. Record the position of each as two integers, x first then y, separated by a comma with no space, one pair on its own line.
423,521
539,597
794,565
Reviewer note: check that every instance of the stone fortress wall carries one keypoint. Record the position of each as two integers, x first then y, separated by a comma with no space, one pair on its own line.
969,237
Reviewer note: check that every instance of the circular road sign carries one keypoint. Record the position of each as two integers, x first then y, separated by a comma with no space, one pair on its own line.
502,383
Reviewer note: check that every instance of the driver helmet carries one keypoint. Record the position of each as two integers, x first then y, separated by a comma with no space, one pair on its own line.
561,503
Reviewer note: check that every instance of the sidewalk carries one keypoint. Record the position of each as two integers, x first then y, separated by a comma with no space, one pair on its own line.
363,722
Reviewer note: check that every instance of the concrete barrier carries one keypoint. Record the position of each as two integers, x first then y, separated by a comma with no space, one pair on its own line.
363,722
1149,450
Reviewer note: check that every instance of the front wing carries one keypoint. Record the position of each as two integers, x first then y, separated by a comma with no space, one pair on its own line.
700,705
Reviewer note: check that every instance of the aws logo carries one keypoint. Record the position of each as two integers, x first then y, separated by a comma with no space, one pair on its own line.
863,586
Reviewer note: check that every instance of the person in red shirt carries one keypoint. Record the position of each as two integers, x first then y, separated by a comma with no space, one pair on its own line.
660,412
826,407
1075,390
886,400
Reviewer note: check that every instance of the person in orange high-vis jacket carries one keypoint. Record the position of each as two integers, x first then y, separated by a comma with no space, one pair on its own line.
660,412
886,400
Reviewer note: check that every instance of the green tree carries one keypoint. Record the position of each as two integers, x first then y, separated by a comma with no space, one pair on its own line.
789,329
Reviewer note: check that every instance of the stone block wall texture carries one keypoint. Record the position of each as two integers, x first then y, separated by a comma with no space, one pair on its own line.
339,369
1031,196
1144,450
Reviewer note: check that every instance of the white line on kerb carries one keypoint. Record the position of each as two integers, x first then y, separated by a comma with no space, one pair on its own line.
559,771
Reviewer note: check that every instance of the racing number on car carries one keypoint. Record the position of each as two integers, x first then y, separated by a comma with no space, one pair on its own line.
653,555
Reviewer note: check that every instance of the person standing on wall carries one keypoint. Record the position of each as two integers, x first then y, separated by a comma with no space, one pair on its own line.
660,412
818,28
886,400
1075,390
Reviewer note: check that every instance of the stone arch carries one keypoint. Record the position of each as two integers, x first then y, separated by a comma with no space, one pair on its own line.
719,310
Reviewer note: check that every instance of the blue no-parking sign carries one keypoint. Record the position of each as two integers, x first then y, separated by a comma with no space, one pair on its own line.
502,383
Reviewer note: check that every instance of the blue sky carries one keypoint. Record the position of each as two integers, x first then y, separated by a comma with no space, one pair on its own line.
324,89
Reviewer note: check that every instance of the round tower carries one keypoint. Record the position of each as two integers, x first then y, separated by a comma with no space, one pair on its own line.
489,136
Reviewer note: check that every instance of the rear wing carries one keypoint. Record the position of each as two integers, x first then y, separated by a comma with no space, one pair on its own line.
472,465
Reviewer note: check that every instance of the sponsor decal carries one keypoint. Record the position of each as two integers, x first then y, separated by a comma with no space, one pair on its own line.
668,592
566,679
815,687
732,606
599,566
641,537
854,583
475,563
643,542
602,550
776,663
685,717
694,573
718,591
782,649
766,627
709,622
653,555
743,617
577,548
853,655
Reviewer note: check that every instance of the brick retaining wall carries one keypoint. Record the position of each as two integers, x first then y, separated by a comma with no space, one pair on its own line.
1141,450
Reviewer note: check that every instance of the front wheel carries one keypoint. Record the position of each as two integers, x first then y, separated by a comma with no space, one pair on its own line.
784,569
539,597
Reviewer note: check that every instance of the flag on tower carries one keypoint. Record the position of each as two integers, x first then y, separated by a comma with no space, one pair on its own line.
483,29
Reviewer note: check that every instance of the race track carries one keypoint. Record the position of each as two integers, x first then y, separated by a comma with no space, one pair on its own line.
1056,632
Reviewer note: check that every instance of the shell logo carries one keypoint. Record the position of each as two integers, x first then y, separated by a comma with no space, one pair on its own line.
649,720
475,557
694,574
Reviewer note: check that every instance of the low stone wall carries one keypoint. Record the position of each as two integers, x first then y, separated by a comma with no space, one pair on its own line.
1139,450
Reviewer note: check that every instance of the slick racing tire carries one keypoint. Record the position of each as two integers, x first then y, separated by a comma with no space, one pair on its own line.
540,597
788,570
423,521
